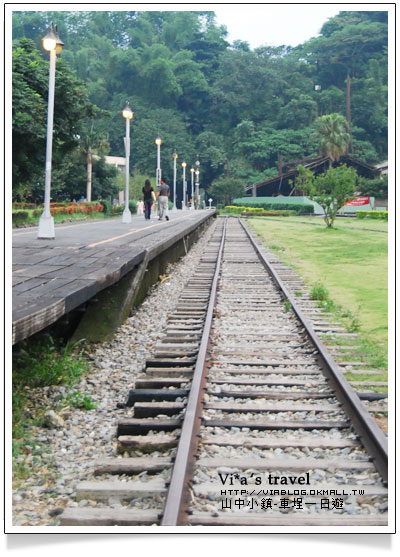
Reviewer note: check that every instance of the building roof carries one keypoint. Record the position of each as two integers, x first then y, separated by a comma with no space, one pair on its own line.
318,164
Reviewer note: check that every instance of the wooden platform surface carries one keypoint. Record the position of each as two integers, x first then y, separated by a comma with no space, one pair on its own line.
52,277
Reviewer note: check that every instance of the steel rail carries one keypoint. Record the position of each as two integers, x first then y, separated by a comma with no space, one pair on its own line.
372,437
174,513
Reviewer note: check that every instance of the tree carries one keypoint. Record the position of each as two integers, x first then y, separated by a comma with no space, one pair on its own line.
342,54
224,190
377,187
333,136
183,79
299,112
330,190
69,178
93,142
29,115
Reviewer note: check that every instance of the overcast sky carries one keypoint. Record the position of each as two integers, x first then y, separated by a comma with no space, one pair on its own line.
278,24
273,25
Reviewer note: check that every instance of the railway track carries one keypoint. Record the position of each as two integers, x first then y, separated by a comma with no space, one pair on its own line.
242,417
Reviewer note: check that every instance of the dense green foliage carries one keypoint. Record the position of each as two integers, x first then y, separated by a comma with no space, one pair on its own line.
226,189
237,109
377,187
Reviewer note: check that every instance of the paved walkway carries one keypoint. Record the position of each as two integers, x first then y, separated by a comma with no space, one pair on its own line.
52,277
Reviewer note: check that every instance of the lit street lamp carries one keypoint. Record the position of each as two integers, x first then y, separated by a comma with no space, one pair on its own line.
127,113
158,142
53,44
197,184
192,173
175,155
210,201
184,185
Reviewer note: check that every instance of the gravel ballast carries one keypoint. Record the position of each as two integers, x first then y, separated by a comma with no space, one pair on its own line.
91,434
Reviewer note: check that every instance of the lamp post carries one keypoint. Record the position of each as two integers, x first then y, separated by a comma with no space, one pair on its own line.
184,186
317,87
175,155
197,184
210,201
53,44
158,142
192,175
127,113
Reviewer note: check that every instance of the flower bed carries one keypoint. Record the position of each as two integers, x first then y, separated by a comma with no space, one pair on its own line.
70,208
18,205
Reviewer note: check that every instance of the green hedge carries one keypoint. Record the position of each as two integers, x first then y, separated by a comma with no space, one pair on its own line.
299,208
381,215
19,217
284,213
238,209
132,206
258,211
107,207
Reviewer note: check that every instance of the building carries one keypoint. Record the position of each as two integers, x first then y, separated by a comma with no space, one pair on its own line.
118,162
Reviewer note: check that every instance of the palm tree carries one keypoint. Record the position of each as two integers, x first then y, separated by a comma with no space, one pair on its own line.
334,137
93,143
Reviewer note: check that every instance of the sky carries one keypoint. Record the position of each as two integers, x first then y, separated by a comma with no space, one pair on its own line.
273,24
279,24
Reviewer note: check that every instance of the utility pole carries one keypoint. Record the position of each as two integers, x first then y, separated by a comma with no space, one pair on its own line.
348,109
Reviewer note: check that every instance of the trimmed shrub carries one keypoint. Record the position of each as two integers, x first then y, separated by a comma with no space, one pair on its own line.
132,206
37,213
19,217
258,211
379,215
274,214
299,208
107,207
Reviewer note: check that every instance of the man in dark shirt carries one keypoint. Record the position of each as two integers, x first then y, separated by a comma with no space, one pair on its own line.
162,195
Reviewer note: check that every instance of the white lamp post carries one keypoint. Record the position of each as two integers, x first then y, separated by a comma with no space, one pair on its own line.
158,142
192,175
127,113
53,44
175,155
197,184
184,186
210,201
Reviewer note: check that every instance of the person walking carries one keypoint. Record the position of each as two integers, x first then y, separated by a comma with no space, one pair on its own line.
162,197
140,207
148,198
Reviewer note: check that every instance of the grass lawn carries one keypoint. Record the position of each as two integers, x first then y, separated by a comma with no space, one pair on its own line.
341,222
351,262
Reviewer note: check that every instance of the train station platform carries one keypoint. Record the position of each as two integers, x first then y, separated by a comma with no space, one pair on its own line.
53,277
